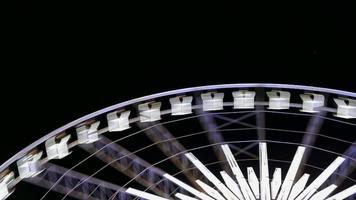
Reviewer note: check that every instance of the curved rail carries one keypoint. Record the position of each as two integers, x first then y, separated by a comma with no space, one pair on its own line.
23,152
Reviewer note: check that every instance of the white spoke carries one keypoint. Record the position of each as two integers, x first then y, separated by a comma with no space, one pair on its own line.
144,195
184,197
264,173
276,182
245,189
211,177
253,182
232,185
210,191
187,187
298,187
292,171
311,189
343,194
324,193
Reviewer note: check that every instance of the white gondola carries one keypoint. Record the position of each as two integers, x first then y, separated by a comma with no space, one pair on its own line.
346,108
88,132
212,101
311,102
244,99
181,105
150,111
57,147
278,100
118,120
30,165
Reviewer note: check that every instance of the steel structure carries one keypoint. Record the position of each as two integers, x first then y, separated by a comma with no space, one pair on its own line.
218,142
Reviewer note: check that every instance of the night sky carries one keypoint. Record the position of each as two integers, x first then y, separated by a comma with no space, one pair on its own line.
67,59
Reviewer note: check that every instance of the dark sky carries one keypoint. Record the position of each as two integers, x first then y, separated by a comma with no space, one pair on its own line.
68,60
72,59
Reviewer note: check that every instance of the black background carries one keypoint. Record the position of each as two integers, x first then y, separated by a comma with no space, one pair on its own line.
69,59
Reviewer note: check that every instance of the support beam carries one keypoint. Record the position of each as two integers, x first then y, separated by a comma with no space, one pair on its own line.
260,115
298,187
351,191
245,189
213,134
321,195
184,197
92,188
264,173
314,186
188,188
211,177
173,149
231,184
291,174
346,168
238,120
142,171
210,190
144,195
234,121
276,182
253,182
313,128
244,150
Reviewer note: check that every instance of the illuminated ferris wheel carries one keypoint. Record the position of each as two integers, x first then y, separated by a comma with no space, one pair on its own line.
217,142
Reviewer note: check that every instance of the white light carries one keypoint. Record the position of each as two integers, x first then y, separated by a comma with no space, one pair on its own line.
245,189
210,191
264,173
311,102
324,193
276,182
346,108
57,150
212,101
253,181
231,184
298,187
187,187
181,105
244,99
118,120
311,189
144,195
344,194
88,133
211,177
150,112
292,172
184,197
278,100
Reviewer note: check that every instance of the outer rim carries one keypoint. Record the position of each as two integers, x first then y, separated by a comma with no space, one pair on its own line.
21,153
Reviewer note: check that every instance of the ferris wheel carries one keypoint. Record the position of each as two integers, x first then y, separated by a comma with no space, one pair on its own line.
218,142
